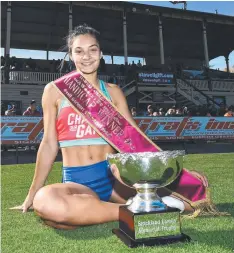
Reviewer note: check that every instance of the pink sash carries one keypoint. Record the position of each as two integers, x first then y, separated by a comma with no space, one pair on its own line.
102,115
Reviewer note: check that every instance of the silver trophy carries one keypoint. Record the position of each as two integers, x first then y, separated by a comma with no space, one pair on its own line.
143,220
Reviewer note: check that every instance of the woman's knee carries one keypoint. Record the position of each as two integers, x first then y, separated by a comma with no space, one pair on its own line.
39,201
49,204
42,198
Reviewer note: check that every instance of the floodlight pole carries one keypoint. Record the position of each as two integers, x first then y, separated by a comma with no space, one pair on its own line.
160,29
8,42
227,63
205,44
70,16
8,31
125,38
70,28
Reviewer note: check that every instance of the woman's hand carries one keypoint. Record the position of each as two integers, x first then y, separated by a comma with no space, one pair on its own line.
115,172
28,204
201,177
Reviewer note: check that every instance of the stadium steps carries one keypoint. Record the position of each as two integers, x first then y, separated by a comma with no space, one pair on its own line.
192,93
163,95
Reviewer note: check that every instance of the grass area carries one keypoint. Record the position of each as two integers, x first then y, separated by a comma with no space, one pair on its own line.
25,233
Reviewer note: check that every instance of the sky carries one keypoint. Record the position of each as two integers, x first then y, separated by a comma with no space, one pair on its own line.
222,7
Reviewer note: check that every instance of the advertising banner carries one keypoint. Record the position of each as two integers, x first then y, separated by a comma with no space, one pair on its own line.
29,130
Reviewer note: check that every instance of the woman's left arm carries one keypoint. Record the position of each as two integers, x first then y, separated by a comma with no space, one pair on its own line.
120,102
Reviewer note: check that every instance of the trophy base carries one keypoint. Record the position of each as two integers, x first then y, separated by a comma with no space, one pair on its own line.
150,228
131,243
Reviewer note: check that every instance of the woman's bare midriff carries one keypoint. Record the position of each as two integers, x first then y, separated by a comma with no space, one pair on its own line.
85,155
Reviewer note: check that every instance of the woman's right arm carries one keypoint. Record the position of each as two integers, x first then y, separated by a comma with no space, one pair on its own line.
48,148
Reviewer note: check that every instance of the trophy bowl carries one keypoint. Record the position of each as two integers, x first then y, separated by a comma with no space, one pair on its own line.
160,168
148,171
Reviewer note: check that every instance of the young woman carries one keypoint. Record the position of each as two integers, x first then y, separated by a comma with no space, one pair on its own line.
89,194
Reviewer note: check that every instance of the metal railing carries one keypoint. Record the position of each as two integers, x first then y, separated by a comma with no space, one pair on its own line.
223,86
22,77
216,85
200,84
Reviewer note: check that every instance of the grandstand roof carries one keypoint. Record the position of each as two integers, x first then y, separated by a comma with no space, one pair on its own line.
43,25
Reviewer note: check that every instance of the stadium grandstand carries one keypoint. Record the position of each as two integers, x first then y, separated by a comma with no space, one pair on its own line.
176,46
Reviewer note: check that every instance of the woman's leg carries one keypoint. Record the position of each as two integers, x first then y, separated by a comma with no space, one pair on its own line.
71,204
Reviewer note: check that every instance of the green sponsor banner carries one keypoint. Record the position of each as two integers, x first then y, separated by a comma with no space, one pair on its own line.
156,225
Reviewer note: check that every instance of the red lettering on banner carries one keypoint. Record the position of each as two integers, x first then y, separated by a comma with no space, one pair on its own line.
218,125
221,125
36,130
137,121
212,124
8,124
171,125
192,126
2,124
143,124
229,125
23,127
209,124
181,126
154,126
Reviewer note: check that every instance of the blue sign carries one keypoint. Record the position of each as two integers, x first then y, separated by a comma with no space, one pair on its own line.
151,78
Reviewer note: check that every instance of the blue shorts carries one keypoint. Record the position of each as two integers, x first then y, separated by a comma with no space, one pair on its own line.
98,177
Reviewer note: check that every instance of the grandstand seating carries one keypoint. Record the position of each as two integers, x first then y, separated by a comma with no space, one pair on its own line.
21,81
